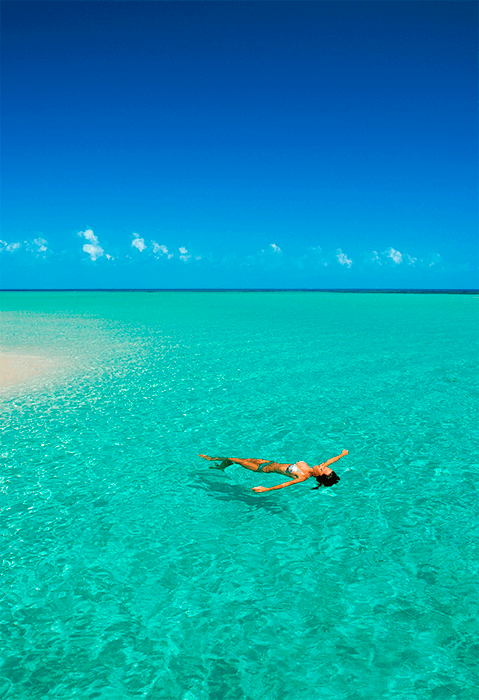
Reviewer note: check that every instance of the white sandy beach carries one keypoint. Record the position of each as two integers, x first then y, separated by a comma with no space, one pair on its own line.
16,369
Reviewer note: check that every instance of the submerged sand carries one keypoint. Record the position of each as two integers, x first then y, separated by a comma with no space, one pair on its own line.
16,369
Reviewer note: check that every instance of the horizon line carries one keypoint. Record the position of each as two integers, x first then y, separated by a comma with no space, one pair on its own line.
385,290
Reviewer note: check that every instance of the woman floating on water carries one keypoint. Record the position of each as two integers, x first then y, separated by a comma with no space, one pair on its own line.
299,471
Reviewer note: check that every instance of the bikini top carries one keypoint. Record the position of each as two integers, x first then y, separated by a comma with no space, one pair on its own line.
293,468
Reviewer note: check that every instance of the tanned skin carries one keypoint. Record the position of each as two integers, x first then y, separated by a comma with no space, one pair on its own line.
303,473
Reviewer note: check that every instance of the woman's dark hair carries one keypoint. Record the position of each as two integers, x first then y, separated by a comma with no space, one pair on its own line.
326,480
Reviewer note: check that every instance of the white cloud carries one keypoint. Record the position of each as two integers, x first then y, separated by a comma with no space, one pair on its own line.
343,259
89,235
275,248
138,242
395,255
94,251
184,254
161,250
10,247
93,248
41,244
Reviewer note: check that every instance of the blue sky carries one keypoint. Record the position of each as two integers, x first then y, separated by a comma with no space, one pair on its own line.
239,145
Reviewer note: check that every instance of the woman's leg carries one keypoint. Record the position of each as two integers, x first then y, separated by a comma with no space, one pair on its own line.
252,464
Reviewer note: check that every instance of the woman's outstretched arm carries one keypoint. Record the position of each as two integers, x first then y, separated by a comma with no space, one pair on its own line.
262,489
334,459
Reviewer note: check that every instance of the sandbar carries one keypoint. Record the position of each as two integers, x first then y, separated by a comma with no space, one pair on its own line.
16,369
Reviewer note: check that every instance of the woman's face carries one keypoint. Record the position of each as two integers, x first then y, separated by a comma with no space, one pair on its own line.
318,470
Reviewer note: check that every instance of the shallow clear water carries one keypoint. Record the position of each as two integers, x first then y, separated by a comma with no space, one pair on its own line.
131,570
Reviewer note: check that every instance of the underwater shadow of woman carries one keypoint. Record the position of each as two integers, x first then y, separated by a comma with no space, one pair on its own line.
228,492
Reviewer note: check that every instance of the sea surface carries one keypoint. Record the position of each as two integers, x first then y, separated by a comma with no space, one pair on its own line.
132,570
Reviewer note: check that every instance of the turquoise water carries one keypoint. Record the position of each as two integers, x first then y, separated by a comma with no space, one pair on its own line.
131,570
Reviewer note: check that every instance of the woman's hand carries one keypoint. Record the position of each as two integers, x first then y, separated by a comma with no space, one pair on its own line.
259,489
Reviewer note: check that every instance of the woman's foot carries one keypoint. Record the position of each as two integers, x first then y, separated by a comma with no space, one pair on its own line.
225,463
